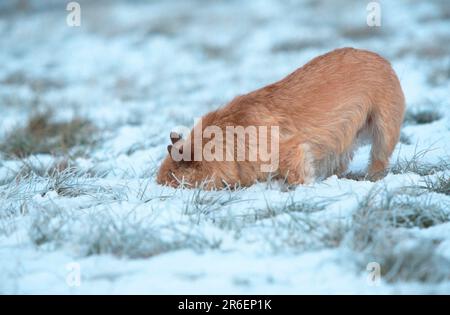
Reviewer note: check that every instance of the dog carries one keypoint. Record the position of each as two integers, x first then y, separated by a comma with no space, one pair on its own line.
322,111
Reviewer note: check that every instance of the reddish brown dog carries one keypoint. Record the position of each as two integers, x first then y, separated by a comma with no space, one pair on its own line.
322,110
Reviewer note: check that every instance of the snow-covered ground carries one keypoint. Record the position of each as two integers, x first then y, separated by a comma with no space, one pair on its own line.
135,70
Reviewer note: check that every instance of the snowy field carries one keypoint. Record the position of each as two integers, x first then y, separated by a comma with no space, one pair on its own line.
85,119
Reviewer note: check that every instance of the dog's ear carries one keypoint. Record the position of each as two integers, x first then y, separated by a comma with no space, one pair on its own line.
179,143
174,137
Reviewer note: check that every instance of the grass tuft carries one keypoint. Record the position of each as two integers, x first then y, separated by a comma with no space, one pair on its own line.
440,184
296,45
361,33
417,164
379,232
421,117
103,232
44,136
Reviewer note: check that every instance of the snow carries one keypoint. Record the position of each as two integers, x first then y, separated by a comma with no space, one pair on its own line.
139,69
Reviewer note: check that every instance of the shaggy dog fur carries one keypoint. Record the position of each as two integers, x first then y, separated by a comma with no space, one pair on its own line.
323,110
